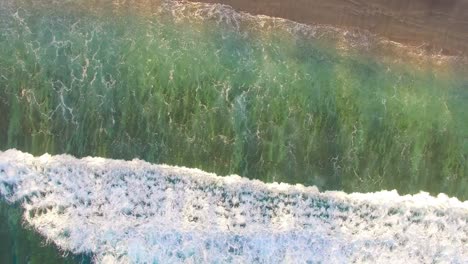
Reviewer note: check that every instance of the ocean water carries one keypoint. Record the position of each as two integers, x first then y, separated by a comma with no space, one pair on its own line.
135,212
205,87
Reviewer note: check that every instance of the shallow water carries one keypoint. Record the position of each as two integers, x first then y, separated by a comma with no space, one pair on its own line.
205,87
440,25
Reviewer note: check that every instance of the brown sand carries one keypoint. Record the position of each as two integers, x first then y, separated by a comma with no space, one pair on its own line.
437,25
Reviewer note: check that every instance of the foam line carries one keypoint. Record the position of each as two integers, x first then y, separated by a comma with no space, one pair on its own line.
137,212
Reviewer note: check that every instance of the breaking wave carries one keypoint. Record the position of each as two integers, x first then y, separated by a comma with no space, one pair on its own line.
137,212
137,78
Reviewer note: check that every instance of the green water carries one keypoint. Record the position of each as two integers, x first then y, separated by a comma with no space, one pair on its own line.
264,104
20,244
261,104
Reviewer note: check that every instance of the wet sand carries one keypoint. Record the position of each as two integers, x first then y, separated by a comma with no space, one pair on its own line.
436,25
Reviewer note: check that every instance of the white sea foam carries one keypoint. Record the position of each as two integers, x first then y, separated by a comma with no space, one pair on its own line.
136,212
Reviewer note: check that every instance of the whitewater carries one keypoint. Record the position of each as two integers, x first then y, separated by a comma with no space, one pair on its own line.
208,87
137,212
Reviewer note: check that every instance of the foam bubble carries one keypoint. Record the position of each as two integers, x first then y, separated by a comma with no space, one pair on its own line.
136,212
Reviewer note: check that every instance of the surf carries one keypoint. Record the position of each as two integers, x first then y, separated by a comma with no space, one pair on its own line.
137,212
210,88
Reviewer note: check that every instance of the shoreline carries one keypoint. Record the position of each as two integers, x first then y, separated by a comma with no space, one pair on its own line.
435,25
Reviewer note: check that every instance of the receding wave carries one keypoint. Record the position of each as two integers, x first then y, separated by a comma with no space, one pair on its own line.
134,211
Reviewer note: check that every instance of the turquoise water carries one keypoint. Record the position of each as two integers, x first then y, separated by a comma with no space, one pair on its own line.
228,95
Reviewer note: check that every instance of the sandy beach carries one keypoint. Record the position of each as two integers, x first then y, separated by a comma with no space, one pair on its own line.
437,25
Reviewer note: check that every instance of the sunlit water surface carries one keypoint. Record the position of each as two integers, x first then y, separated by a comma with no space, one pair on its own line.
205,87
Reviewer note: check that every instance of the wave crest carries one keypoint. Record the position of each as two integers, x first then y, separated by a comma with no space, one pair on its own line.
134,211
